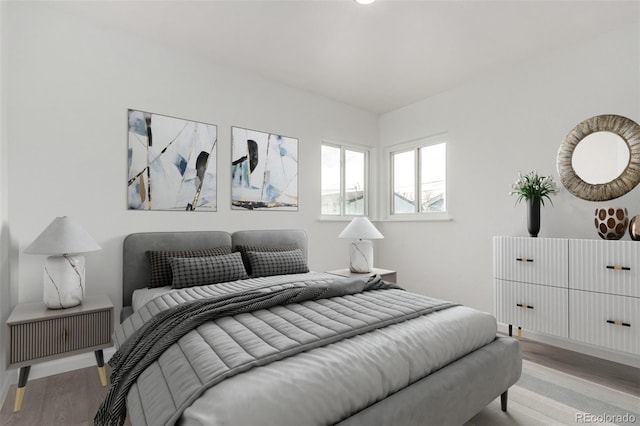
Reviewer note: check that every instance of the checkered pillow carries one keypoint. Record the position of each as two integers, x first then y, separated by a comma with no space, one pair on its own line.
243,249
192,271
264,264
160,269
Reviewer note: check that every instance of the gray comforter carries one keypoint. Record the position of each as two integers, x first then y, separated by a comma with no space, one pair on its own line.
290,319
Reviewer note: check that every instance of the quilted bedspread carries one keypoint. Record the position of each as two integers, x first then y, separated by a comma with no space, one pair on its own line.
231,344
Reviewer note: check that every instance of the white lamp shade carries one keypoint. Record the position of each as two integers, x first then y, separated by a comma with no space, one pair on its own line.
360,228
63,236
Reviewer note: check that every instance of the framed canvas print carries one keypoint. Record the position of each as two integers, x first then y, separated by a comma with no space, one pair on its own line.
264,171
172,163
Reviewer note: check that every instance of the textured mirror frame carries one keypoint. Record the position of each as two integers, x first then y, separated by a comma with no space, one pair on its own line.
624,127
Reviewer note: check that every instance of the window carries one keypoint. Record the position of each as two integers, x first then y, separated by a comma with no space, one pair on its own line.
419,177
344,180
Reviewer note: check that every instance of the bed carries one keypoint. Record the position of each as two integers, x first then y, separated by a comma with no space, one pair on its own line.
364,353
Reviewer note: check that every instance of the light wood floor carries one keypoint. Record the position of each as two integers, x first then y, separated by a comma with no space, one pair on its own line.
73,398
63,399
606,373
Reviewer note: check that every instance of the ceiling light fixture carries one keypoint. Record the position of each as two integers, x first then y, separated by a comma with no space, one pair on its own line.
364,1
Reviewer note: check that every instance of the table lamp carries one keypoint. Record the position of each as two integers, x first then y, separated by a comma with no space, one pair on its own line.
64,281
362,231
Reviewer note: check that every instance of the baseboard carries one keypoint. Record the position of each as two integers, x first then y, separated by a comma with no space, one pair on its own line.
584,348
60,366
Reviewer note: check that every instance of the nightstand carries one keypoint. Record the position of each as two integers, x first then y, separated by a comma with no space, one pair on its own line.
37,334
385,274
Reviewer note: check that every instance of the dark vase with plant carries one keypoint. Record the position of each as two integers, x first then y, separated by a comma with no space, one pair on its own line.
534,189
533,217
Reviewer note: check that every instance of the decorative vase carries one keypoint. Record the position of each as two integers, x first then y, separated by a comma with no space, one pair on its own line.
611,222
634,228
533,216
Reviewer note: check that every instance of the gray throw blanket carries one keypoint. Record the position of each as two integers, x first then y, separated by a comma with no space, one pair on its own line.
167,327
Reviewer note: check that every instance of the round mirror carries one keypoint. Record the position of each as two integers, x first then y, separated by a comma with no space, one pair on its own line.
599,159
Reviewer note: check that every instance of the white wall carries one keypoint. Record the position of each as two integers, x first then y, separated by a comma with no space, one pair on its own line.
70,87
5,288
501,124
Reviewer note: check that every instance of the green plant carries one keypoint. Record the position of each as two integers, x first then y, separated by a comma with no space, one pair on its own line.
534,187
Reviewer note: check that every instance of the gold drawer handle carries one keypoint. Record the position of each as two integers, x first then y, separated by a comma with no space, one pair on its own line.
618,268
523,259
65,335
524,306
624,324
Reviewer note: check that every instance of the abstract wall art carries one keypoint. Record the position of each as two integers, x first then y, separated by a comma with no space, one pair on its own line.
172,163
264,171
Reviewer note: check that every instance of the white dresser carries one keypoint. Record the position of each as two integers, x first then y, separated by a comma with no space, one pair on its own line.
583,290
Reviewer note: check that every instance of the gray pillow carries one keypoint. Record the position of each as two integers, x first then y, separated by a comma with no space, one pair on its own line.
246,248
193,271
265,264
161,275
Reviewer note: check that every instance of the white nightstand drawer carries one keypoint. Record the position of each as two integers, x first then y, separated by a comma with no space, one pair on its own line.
533,307
605,320
531,260
605,266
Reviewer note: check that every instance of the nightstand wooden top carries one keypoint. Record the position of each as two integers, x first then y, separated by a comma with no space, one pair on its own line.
374,271
34,311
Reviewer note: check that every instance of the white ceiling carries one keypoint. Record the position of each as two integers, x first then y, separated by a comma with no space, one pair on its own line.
377,57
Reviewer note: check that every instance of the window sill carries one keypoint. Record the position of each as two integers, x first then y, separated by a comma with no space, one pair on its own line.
428,217
335,218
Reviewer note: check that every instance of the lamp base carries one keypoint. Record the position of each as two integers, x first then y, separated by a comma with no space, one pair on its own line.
63,281
361,256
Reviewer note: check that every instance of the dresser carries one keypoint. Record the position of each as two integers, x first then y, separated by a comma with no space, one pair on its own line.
583,290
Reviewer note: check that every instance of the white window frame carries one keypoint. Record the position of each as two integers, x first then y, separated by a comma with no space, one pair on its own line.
415,145
367,180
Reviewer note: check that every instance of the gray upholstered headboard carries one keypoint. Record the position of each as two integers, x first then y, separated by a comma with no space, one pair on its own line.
136,270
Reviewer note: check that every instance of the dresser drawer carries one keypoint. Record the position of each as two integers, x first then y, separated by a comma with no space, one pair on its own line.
605,320
605,266
532,307
531,260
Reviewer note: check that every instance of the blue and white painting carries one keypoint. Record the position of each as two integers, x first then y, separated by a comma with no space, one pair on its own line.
264,171
172,163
